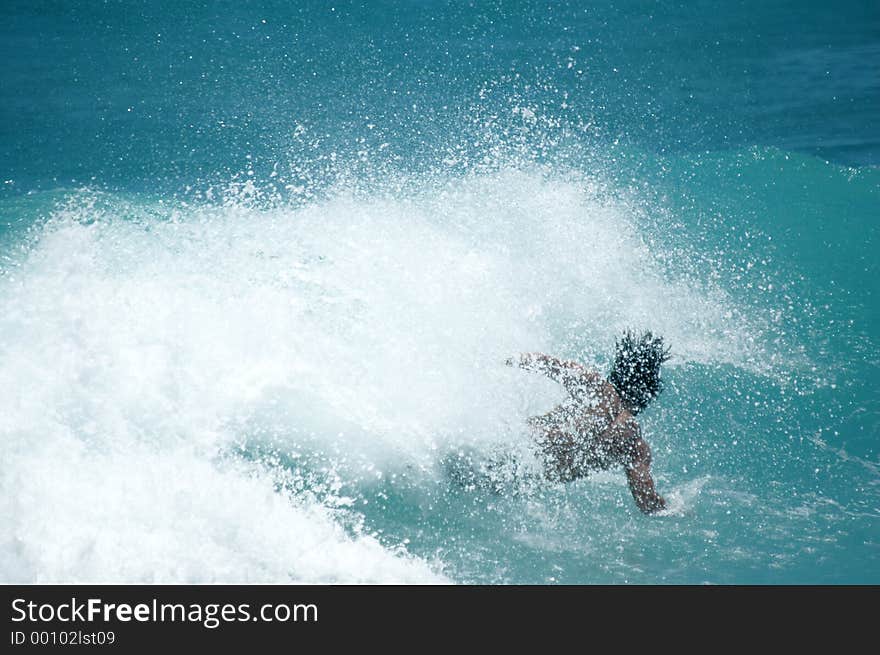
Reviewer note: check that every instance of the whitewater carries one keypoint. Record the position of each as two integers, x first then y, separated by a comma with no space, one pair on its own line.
218,391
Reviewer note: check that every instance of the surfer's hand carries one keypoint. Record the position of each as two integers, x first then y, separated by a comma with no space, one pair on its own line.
656,504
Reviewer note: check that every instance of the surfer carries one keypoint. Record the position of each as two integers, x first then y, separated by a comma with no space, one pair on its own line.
595,427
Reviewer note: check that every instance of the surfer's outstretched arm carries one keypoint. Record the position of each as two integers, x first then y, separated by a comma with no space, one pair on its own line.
641,484
574,377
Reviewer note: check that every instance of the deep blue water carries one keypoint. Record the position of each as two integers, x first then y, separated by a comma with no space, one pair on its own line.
261,264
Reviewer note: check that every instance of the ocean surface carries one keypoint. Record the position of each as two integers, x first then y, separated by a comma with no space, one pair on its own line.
261,265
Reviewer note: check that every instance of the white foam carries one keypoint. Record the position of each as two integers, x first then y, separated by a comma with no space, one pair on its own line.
680,500
174,517
140,343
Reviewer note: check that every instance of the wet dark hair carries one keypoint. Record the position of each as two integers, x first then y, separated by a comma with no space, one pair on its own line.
635,372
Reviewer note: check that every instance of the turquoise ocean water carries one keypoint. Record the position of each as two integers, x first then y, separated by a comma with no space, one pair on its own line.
261,264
